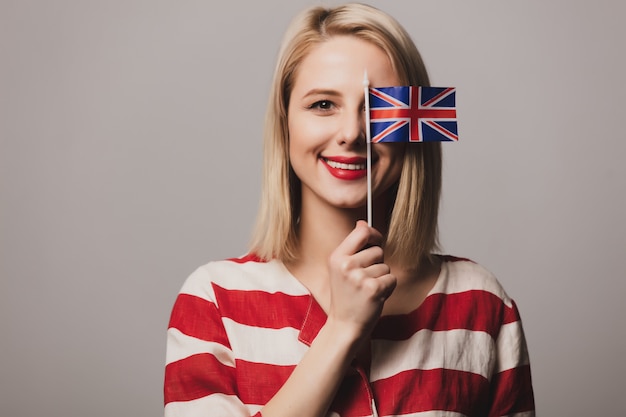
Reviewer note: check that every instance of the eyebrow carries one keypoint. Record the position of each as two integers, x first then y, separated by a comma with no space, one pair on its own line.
322,92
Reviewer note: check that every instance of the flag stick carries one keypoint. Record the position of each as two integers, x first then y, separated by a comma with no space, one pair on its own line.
368,141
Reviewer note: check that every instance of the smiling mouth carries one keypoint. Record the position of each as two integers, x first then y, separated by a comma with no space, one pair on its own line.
349,167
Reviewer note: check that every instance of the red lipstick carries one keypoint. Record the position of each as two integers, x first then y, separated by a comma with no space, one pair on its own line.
345,167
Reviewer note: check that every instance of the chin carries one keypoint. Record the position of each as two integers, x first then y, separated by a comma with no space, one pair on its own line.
351,205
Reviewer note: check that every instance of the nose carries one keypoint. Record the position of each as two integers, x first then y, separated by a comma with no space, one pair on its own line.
352,128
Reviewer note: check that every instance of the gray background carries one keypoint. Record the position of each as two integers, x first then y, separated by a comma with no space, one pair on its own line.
130,155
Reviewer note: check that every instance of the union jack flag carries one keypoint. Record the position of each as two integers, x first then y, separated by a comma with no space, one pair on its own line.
413,114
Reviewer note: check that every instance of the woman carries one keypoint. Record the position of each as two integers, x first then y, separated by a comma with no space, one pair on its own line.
326,315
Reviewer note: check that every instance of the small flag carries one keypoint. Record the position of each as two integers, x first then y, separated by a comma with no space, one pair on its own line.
413,114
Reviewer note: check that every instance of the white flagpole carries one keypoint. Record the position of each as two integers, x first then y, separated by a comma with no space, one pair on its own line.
368,140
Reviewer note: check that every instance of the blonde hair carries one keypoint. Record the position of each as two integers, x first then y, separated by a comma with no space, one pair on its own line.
412,228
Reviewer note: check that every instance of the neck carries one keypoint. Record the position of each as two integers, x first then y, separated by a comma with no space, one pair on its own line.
322,228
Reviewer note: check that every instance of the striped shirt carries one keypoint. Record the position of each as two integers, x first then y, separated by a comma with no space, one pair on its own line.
239,327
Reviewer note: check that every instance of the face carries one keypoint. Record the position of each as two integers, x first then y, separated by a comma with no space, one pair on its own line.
326,121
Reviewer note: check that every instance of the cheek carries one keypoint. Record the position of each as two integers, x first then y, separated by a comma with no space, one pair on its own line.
308,133
300,141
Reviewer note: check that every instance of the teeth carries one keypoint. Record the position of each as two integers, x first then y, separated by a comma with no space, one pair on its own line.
339,165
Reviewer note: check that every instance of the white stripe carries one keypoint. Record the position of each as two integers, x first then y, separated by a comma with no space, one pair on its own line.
435,413
214,405
199,284
462,350
511,345
259,344
461,276
181,346
253,409
270,277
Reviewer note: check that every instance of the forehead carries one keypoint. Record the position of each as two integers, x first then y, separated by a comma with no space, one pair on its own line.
342,61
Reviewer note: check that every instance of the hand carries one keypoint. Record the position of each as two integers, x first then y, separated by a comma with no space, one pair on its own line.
360,281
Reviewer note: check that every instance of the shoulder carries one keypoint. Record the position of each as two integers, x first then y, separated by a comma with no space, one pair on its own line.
473,292
246,273
463,274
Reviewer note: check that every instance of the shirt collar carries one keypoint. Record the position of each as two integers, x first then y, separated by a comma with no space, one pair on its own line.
314,319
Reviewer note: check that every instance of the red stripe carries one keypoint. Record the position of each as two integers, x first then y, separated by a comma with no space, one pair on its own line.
438,312
482,311
197,317
511,314
257,383
262,309
512,392
470,310
315,320
197,376
439,389
251,257
349,400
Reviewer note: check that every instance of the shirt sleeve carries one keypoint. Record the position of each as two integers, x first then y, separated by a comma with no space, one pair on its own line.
511,385
200,375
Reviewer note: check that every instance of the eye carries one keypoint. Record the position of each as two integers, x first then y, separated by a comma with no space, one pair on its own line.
322,105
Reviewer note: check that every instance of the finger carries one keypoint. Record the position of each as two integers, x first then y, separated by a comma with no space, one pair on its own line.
369,256
388,284
358,276
381,287
375,238
348,265
376,271
362,235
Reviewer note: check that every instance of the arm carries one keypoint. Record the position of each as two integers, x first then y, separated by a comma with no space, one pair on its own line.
511,385
360,283
200,375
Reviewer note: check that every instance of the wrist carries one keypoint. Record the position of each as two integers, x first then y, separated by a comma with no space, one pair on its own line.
346,337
